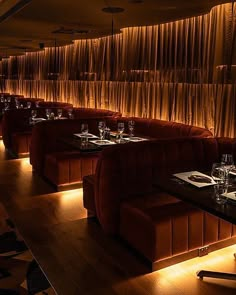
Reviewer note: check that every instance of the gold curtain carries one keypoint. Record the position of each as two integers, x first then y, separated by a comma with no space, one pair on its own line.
183,71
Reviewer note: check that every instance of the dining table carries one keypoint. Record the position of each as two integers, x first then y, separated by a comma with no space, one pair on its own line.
204,198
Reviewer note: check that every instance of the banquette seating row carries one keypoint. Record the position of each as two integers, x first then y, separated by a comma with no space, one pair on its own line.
16,130
125,199
62,165
11,102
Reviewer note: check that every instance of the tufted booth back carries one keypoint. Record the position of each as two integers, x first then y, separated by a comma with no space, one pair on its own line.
80,113
17,120
46,135
159,128
127,171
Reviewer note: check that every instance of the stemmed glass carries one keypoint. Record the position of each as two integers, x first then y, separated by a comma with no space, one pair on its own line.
101,128
131,125
59,113
33,114
70,113
84,128
120,129
17,103
6,105
48,113
28,104
84,135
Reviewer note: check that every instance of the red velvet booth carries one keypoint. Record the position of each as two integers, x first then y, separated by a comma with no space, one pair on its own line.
123,196
16,130
61,164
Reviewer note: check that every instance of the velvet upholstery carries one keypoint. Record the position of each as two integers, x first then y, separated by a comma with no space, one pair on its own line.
45,145
46,135
159,128
69,167
135,167
123,196
15,125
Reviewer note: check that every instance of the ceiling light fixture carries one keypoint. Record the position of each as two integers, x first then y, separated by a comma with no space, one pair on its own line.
112,10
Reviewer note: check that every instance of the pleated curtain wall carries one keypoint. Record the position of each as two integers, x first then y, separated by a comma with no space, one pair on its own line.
183,71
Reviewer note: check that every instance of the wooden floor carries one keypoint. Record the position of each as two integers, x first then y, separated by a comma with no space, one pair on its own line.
76,256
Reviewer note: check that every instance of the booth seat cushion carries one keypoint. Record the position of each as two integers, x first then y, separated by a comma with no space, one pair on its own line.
21,142
63,168
161,226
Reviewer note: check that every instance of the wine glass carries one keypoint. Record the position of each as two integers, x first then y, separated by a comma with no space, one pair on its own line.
59,113
6,105
120,129
70,113
84,135
37,103
17,103
101,128
84,128
131,125
28,104
48,113
33,114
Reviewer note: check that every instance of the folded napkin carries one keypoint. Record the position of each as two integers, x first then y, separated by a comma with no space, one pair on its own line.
200,178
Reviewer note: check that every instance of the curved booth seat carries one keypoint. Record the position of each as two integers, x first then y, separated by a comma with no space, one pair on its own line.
16,128
45,140
123,196
55,160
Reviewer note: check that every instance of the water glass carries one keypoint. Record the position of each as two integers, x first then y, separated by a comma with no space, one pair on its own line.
120,129
101,128
59,113
220,189
218,173
84,135
228,163
131,125
48,113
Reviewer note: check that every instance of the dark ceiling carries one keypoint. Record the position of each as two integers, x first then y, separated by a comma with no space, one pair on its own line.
24,24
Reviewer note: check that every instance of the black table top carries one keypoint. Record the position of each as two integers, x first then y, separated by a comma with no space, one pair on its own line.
203,198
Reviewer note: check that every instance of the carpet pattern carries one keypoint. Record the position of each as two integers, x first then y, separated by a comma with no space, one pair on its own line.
16,261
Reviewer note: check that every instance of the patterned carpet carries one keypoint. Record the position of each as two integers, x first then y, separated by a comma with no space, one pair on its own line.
15,260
